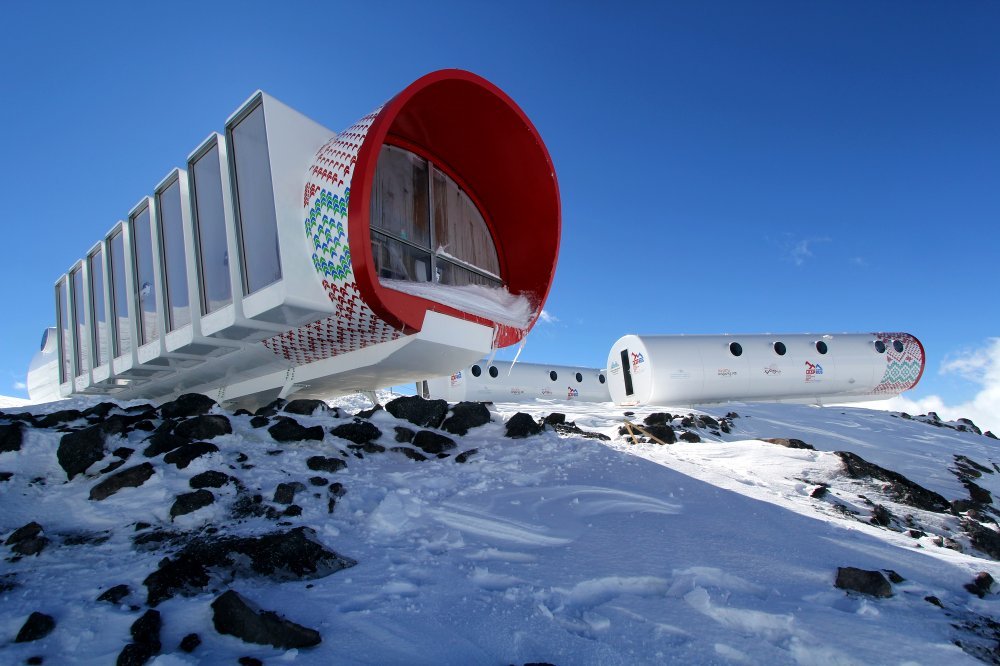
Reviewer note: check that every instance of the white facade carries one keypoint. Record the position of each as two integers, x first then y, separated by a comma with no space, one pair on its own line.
501,381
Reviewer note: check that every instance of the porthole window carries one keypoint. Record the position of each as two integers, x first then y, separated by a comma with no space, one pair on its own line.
579,378
476,371
552,375
898,346
779,348
880,346
601,379
821,347
736,349
494,372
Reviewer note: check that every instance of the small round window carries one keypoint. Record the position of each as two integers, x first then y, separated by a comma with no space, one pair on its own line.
821,347
579,378
880,346
552,375
601,379
736,349
476,371
494,372
779,348
898,346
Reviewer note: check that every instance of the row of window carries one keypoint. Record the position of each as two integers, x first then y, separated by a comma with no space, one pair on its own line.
736,349
477,371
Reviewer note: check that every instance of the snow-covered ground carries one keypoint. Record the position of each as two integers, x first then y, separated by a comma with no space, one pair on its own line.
553,548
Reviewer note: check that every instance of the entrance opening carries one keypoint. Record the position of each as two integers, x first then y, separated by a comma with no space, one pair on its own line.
627,373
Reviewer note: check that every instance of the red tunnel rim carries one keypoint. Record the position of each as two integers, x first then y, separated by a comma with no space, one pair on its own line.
923,361
371,290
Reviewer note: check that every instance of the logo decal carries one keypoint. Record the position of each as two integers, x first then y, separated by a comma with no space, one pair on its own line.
813,370
772,370
456,378
637,358
573,393
726,372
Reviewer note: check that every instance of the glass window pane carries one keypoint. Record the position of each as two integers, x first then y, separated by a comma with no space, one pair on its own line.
178,312
459,228
62,314
145,281
119,296
80,351
398,261
399,196
98,314
258,224
459,276
210,223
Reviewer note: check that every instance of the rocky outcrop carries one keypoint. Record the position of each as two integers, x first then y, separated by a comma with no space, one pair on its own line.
133,477
418,411
233,615
872,583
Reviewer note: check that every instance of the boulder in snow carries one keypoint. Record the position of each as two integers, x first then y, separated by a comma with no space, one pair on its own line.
38,625
418,411
233,615
465,416
204,427
521,425
189,404
133,477
289,430
872,583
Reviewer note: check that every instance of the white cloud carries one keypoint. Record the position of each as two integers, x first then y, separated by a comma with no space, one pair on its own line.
980,366
20,386
547,317
796,250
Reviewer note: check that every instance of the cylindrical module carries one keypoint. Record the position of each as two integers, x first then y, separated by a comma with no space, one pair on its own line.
502,381
825,368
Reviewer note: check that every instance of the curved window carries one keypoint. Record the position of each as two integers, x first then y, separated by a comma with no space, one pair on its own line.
552,375
601,378
821,347
494,372
880,346
736,349
476,371
425,228
779,348
579,378
898,346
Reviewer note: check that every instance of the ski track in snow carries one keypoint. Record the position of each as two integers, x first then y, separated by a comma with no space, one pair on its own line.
550,548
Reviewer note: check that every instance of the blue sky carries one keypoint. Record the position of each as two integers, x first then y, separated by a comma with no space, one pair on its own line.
723,166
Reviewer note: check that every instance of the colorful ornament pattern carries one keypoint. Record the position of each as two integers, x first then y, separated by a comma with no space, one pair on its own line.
325,199
902,368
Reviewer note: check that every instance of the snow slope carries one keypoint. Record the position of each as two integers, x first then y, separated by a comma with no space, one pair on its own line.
553,548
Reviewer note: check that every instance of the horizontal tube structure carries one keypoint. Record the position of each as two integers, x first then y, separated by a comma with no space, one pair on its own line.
502,381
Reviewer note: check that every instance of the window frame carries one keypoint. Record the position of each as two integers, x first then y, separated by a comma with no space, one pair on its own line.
159,230
435,163
204,301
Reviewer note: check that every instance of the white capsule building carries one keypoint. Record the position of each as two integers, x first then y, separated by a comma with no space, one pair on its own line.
700,369
502,381
286,258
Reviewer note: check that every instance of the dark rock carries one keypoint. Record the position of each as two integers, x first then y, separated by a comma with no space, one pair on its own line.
688,421
521,425
275,452
242,458
894,577
934,600
983,538
7,583
662,432
285,493
249,661
358,432
706,421
204,427
146,640
189,404
689,437
110,467
271,408
259,421
418,411
367,447
161,442
11,437
145,425
465,455
279,556
789,443
324,464
872,583
114,595
881,516
99,411
658,418
81,449
292,510
123,452
989,433
412,454
367,413
290,430
232,615
981,585
38,625
901,489
572,428
820,491
133,477
57,418
432,442
27,540
337,489
319,480
183,455
404,435
188,502
555,418
468,415
977,493
305,407
209,479
135,654
190,643
969,467
6,476
35,660
970,426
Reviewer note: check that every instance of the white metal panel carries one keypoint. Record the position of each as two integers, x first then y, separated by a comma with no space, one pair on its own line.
502,381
